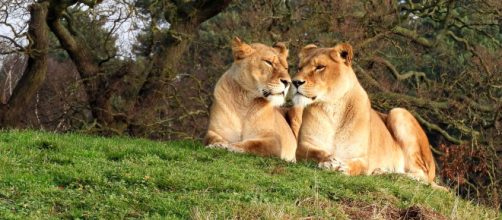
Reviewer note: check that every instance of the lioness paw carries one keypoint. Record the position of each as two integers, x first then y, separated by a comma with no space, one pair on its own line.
380,171
291,160
414,177
214,146
334,165
228,147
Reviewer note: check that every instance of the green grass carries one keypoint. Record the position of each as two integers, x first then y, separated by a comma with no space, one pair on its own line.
44,175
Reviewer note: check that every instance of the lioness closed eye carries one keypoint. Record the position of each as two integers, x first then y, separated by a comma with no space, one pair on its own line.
245,115
342,132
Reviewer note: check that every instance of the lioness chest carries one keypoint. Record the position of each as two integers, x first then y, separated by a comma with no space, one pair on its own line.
335,130
256,121
267,121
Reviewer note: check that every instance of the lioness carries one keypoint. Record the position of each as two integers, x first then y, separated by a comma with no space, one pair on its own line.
342,132
246,115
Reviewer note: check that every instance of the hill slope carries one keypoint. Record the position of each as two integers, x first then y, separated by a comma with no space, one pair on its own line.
45,175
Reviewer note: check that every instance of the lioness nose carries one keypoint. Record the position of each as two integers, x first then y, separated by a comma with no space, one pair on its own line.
285,82
298,83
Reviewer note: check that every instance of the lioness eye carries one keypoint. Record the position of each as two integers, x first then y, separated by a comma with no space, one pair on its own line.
268,62
320,67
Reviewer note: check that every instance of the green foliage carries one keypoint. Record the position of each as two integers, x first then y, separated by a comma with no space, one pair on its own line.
92,32
44,175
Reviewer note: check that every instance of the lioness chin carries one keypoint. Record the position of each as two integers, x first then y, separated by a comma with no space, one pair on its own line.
340,129
246,115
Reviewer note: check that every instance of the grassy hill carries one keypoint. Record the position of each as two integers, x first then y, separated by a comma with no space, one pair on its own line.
44,175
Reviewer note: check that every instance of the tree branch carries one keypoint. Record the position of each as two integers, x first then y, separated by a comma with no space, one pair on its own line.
420,102
210,8
366,77
12,41
371,39
36,70
80,55
396,73
433,127
413,36
471,49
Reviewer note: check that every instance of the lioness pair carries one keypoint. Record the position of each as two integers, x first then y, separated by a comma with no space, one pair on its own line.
332,121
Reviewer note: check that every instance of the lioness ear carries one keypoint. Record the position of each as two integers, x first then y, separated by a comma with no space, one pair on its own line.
282,49
240,49
305,50
343,52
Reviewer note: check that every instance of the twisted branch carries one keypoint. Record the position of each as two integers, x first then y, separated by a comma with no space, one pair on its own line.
395,72
433,127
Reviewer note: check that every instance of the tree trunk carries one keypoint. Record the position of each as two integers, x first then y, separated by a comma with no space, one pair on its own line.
96,86
164,64
101,91
36,70
165,61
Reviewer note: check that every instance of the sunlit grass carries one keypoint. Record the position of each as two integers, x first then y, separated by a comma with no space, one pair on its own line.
44,175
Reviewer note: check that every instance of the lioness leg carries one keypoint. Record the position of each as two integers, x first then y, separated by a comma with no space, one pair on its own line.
419,163
294,119
306,150
351,167
328,160
356,167
214,140
267,146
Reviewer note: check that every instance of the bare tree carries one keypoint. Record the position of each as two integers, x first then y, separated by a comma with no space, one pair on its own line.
101,85
36,69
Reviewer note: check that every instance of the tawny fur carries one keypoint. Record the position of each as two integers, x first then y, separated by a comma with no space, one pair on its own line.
246,115
340,129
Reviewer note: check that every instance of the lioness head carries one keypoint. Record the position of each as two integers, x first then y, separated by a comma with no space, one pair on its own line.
324,74
262,70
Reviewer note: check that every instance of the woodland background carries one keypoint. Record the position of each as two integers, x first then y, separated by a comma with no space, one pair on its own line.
72,65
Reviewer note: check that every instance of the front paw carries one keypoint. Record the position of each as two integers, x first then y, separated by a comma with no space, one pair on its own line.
334,165
380,171
291,160
226,146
